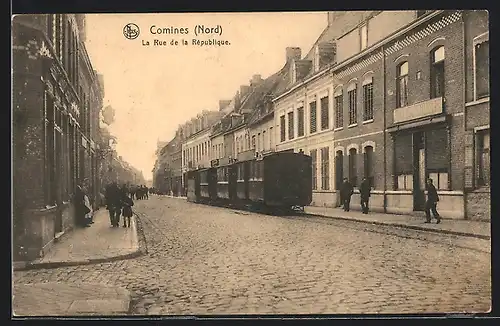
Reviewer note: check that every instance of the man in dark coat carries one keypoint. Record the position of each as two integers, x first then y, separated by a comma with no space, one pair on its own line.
114,203
431,203
364,191
346,191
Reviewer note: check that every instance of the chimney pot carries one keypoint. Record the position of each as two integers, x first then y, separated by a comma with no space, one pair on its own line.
293,53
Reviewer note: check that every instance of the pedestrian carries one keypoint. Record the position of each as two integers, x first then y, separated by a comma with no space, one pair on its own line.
346,191
127,204
113,203
364,191
431,203
81,210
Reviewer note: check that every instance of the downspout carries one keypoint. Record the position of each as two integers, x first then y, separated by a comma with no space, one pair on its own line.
464,90
385,127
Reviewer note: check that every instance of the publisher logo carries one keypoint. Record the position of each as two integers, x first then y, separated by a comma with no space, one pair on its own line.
131,31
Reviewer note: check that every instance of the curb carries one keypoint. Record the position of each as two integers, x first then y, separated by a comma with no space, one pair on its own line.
141,250
57,264
405,226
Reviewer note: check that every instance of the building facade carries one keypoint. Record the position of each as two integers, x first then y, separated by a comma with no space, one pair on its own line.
401,99
56,104
477,116
304,112
196,144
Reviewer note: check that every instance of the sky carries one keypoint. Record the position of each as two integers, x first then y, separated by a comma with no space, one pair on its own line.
154,89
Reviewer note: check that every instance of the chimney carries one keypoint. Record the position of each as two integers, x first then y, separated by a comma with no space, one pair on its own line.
256,80
223,104
327,53
303,67
293,53
244,89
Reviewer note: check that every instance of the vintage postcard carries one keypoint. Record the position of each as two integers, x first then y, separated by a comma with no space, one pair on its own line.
251,163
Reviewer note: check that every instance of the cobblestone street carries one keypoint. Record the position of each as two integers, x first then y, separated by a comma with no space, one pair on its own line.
209,260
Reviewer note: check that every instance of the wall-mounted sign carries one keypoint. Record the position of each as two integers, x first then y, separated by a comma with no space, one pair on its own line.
214,163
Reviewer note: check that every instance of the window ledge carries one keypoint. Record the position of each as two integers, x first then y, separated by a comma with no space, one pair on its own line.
367,121
338,129
353,125
482,189
478,101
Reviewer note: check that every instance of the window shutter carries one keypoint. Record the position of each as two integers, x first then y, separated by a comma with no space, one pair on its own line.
437,149
404,153
469,160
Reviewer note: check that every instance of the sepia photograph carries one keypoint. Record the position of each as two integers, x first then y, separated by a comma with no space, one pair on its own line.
251,163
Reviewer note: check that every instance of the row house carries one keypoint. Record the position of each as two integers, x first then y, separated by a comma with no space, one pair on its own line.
56,102
167,174
303,113
398,101
222,133
196,142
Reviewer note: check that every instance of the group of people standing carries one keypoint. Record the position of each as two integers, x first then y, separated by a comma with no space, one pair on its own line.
119,203
347,190
139,192
84,212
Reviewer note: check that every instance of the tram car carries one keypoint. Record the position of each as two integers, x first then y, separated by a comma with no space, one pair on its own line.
281,180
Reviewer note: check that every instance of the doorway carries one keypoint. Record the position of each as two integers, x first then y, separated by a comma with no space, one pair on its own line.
419,167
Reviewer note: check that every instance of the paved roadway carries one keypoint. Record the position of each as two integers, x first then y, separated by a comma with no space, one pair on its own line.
210,260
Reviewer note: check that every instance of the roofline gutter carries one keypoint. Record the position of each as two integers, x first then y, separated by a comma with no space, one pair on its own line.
366,51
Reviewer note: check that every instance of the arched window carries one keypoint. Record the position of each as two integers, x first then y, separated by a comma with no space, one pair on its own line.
338,107
368,158
402,85
437,72
353,178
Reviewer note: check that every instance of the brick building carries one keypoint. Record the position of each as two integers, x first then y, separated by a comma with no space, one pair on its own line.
396,96
56,103
477,115
303,113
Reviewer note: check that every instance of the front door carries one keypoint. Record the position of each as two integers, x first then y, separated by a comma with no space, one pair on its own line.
418,171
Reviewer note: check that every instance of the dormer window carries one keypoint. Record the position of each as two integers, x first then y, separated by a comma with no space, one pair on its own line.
316,58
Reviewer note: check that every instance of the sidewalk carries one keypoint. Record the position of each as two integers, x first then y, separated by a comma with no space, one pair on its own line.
476,229
96,244
59,299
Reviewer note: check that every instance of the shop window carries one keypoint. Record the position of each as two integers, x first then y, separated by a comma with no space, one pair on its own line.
483,157
482,72
368,99
290,126
368,165
405,182
313,113
353,178
314,158
402,85
282,128
437,72
324,113
325,169
300,122
440,180
339,111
